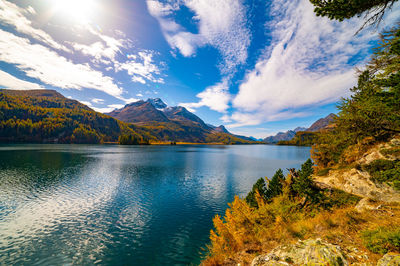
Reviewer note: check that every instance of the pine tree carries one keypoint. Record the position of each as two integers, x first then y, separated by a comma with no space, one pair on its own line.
275,185
345,9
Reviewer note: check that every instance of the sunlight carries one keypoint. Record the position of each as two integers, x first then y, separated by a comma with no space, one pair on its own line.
78,10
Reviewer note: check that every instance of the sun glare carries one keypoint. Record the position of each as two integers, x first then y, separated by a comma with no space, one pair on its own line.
80,10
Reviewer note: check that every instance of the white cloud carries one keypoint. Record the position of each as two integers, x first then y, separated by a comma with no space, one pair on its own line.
215,97
96,100
129,100
109,108
10,82
12,15
225,118
141,68
308,63
30,10
96,50
116,106
221,24
41,63
89,104
139,95
259,133
105,50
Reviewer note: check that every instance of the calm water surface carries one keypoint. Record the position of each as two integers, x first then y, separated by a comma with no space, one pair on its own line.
113,205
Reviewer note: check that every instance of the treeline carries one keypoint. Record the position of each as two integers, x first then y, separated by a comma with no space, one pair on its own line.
132,140
302,138
189,132
34,118
371,114
45,116
276,211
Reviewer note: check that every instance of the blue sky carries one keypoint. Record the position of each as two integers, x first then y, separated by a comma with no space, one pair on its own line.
257,67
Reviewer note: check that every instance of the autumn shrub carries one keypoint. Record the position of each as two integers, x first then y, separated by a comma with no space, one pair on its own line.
323,172
273,212
391,152
384,171
382,239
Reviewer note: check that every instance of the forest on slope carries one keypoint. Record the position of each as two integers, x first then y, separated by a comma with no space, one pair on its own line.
46,116
297,219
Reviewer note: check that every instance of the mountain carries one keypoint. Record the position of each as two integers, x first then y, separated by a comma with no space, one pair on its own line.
221,129
321,123
179,113
140,111
290,134
297,129
173,123
157,103
47,116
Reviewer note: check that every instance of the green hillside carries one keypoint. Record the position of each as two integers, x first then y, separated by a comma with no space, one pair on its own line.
45,116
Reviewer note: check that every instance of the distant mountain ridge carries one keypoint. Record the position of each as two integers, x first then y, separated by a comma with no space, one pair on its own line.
321,123
155,110
281,136
290,134
46,116
172,122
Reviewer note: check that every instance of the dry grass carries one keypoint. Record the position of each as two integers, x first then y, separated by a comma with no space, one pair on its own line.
245,233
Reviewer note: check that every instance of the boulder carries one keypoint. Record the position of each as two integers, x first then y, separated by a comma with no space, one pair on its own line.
395,142
367,204
390,259
308,252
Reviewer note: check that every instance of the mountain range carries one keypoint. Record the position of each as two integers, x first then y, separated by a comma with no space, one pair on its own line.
43,116
290,134
48,116
172,122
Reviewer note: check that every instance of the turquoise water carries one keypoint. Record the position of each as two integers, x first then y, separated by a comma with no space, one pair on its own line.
118,205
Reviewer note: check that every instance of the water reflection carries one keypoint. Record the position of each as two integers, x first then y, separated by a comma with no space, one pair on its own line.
88,204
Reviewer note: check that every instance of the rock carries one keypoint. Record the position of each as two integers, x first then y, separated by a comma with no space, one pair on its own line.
308,252
395,142
390,259
367,204
359,183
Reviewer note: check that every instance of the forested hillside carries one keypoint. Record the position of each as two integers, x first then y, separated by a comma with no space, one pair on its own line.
173,123
372,113
341,209
44,116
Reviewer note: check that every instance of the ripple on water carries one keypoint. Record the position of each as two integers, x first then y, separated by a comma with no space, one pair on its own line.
78,204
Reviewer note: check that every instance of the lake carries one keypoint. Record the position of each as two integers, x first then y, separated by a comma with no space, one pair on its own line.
123,205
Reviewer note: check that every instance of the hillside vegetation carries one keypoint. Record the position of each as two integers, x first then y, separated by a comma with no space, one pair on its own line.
346,204
371,114
47,116
173,123
295,207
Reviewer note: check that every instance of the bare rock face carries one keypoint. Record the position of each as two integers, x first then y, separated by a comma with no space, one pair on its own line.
308,252
390,259
359,183
367,204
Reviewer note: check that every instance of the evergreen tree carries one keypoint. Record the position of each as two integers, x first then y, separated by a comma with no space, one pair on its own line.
275,185
303,184
345,9
259,187
372,113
